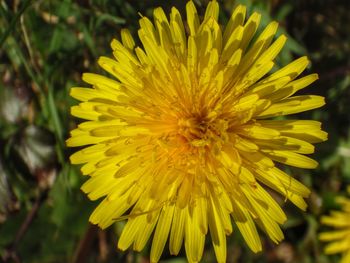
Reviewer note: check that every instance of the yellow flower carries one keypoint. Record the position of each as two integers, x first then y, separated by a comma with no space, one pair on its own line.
181,144
340,238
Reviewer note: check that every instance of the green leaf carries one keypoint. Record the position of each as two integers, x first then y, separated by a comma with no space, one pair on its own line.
102,18
13,22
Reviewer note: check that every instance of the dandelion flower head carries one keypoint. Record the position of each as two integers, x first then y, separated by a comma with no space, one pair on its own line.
180,140
339,239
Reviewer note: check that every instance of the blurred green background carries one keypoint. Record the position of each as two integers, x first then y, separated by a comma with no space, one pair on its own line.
44,48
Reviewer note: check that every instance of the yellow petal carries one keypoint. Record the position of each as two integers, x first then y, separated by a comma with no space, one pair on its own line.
292,158
246,226
161,233
177,230
192,18
217,233
293,105
236,19
194,238
127,39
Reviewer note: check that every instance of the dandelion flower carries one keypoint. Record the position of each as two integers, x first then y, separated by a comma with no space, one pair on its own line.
181,139
340,238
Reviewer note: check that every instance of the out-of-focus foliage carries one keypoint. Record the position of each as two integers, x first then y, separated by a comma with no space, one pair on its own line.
46,45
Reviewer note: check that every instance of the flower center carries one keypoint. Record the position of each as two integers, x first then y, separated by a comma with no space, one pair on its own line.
201,131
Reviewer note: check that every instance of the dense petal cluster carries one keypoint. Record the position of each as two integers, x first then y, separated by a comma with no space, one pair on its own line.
339,239
181,141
